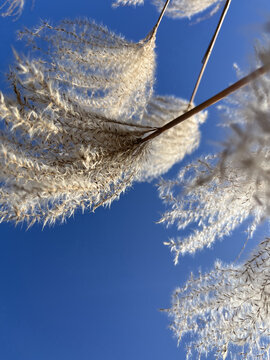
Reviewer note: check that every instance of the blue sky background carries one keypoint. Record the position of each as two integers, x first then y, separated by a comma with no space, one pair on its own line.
92,288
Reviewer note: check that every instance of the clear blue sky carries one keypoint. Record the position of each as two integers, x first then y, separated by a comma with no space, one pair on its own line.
92,288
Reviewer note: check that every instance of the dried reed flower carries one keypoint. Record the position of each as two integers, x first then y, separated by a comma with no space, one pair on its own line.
226,310
218,193
101,70
247,147
71,127
56,156
212,203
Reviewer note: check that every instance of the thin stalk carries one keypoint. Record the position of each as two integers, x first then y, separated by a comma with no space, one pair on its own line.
155,28
213,100
209,51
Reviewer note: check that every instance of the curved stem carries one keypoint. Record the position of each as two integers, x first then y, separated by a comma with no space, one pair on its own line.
208,52
221,95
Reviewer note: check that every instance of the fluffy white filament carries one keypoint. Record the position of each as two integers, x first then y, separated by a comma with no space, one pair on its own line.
248,146
213,203
69,138
227,309
73,122
100,69
171,146
217,194
12,7
55,156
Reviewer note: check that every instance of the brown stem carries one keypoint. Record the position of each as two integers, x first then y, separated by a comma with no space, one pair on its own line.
221,95
208,52
154,30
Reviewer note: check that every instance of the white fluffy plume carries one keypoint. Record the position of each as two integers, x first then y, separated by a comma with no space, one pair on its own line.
213,203
71,128
216,194
69,137
227,309
55,156
101,70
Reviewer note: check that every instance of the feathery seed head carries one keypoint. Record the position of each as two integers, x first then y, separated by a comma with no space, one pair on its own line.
100,70
72,125
214,203
227,309
216,194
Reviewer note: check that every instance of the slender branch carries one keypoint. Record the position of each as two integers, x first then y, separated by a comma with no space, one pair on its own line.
155,28
213,100
209,51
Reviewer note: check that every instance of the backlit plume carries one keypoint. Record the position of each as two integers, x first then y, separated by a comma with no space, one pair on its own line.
71,127
101,70
213,203
217,193
226,311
